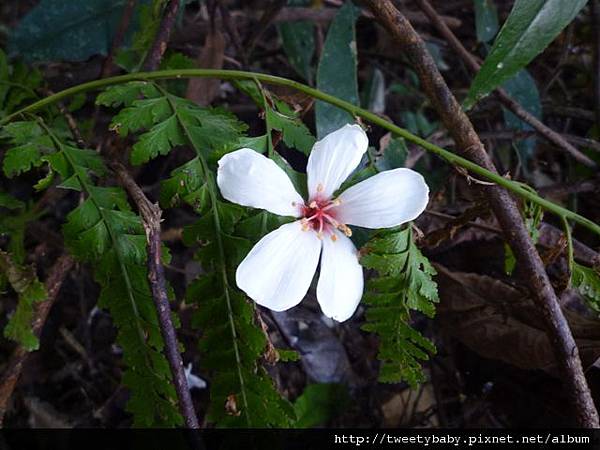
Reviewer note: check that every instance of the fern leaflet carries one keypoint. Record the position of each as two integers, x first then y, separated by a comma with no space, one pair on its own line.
404,283
104,231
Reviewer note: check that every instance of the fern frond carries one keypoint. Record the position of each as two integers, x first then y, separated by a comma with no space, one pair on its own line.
30,290
242,393
404,283
169,121
105,232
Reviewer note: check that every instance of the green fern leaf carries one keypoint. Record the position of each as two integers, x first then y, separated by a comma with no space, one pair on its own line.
9,202
28,144
241,391
30,290
242,394
170,121
587,281
280,116
404,283
104,231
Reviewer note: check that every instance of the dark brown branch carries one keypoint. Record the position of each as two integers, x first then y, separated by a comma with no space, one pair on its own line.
503,205
233,34
327,14
53,283
159,46
523,134
269,14
151,217
71,122
501,94
118,39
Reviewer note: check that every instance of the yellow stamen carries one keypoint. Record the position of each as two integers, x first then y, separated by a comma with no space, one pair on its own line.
320,187
333,237
345,229
313,204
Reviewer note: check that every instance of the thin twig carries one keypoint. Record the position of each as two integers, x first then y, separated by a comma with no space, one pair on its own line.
118,39
151,217
502,95
291,14
57,274
524,134
271,11
504,206
159,46
233,34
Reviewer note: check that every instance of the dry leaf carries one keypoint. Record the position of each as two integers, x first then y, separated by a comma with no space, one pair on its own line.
501,322
204,90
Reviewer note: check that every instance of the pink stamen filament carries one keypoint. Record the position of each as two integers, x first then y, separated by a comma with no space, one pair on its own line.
318,209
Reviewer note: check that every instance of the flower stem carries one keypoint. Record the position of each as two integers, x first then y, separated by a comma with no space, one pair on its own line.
356,111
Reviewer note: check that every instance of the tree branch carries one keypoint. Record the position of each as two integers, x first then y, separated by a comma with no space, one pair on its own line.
53,283
471,62
450,157
159,46
119,38
503,205
151,217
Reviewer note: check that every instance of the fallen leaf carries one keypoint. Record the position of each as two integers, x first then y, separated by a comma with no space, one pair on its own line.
204,90
499,321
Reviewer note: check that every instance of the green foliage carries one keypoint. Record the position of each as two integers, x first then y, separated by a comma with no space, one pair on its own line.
17,84
104,231
523,89
336,73
298,40
30,290
530,27
319,403
404,283
394,155
486,20
65,30
9,202
242,393
150,14
14,217
374,95
169,120
28,143
279,116
532,216
587,281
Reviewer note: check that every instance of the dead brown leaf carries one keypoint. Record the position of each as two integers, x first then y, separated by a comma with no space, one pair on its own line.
204,90
499,321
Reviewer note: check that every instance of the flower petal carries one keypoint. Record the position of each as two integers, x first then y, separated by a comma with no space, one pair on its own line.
248,178
385,200
340,285
278,270
333,158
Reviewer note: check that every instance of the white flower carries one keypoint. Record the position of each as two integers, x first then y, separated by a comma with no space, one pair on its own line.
279,269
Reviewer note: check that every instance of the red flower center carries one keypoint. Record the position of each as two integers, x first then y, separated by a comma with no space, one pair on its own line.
321,214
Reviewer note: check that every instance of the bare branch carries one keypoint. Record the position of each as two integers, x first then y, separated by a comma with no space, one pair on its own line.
471,62
151,216
56,276
504,206
159,46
